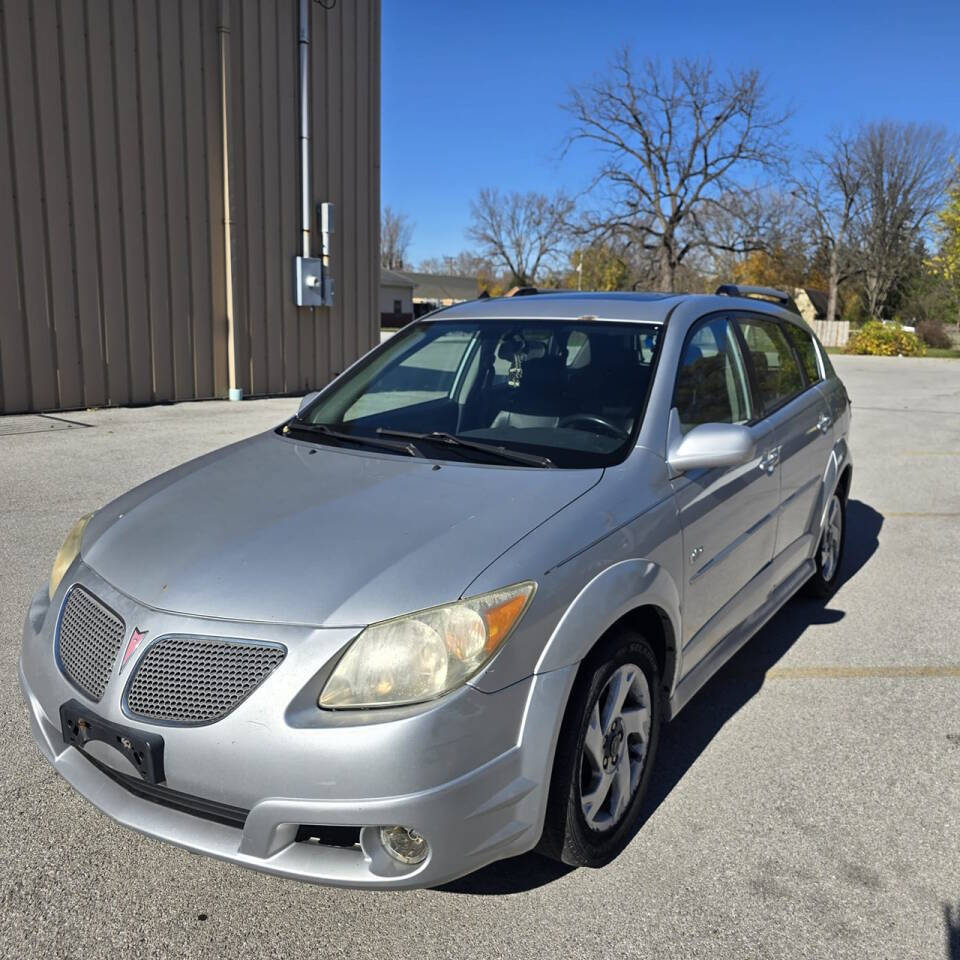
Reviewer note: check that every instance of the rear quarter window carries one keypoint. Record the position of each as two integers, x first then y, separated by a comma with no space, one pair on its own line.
803,343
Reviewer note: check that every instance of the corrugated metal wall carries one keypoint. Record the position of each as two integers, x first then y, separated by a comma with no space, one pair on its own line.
112,252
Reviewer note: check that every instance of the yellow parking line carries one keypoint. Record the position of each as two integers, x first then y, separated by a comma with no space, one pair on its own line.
812,673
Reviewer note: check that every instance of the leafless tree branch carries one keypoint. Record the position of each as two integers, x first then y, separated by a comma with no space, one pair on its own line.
522,232
672,141
396,232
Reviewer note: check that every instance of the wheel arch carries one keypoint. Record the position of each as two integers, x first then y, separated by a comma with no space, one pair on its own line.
639,594
843,484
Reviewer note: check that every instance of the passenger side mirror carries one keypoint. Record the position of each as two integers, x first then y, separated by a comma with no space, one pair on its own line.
307,400
709,445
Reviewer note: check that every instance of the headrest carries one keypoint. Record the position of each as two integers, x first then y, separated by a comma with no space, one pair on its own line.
528,349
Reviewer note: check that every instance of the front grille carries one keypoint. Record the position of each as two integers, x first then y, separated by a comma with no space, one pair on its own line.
88,641
195,680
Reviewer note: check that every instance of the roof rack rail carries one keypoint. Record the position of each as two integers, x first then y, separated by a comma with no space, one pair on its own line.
521,292
767,293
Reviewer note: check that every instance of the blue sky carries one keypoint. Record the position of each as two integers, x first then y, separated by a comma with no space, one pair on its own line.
472,91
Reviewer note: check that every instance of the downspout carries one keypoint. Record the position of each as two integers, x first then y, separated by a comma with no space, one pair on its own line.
223,31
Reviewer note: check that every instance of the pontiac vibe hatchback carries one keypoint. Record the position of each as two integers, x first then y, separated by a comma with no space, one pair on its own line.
438,617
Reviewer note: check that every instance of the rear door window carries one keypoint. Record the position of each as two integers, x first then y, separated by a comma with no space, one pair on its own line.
776,372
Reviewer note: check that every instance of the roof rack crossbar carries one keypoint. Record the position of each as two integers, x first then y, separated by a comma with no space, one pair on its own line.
780,296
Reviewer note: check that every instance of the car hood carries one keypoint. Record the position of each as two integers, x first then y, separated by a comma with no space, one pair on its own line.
273,529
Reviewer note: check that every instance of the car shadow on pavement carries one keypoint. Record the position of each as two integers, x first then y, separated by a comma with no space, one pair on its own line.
951,923
683,740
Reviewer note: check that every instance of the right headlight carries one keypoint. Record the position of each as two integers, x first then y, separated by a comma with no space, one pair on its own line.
424,655
67,554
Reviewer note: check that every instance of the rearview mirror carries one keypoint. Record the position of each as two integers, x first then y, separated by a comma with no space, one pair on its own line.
307,400
712,445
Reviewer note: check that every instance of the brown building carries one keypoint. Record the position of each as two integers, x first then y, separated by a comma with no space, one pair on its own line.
151,197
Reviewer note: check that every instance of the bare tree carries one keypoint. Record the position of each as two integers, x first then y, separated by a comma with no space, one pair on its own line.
674,142
829,187
905,169
463,264
396,232
522,232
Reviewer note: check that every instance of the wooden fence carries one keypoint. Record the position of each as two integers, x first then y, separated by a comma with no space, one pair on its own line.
834,334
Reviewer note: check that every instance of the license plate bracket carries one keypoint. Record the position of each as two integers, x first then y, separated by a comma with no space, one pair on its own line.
143,750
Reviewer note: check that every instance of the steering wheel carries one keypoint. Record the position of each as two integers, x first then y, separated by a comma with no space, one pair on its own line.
592,420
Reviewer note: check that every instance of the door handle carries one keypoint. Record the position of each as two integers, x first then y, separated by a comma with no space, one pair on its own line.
770,459
823,422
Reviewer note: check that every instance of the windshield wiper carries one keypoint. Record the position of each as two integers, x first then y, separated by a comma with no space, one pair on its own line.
408,448
448,439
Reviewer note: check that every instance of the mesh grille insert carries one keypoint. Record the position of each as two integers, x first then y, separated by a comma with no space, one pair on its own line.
88,641
198,680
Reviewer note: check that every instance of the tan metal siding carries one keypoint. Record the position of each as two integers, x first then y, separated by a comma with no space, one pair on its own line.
112,248
132,258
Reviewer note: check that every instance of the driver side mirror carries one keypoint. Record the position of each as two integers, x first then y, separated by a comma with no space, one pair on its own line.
709,445
307,400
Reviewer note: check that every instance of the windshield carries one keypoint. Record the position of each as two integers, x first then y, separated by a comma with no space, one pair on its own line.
569,391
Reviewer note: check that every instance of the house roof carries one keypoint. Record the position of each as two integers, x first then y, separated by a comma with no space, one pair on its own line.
819,300
392,278
442,286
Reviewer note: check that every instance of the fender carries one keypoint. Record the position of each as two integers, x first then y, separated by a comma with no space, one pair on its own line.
838,462
610,595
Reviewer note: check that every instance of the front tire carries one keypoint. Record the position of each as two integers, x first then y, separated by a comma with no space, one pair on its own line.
826,578
605,754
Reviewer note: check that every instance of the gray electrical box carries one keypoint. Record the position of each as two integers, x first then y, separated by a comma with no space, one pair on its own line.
308,286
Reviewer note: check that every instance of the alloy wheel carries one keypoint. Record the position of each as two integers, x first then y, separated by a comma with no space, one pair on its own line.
615,747
831,540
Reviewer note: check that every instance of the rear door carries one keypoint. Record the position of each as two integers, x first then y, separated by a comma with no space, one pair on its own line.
785,374
728,514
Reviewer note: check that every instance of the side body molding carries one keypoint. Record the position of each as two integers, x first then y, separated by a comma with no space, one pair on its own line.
611,594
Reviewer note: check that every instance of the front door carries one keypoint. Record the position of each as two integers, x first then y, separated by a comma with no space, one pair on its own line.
729,514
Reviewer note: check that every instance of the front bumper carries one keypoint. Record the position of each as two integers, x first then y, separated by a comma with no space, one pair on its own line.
469,772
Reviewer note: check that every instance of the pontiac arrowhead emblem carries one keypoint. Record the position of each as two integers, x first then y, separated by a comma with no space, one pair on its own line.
136,638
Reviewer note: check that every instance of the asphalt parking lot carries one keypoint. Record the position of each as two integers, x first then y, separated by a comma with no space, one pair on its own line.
807,803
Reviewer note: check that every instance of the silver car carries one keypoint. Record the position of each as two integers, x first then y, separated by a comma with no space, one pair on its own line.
438,617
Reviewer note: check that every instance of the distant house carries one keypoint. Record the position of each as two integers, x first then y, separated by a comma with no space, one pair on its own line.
405,294
434,290
812,304
396,299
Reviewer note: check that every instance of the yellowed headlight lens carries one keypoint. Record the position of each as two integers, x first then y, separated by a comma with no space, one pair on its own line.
67,553
424,655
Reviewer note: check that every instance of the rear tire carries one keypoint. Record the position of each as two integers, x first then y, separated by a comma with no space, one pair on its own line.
605,753
829,555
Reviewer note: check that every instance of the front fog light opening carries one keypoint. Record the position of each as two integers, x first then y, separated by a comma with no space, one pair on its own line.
404,844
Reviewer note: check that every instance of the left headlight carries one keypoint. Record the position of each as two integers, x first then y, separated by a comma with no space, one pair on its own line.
424,655
67,553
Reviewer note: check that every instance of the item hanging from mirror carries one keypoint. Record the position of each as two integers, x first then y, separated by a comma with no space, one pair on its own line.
515,373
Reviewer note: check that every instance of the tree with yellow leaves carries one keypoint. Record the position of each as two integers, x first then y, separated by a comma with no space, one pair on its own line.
946,263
